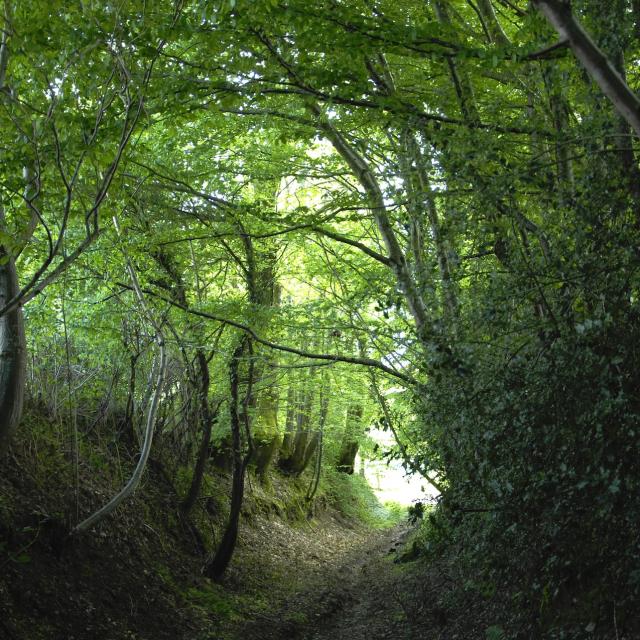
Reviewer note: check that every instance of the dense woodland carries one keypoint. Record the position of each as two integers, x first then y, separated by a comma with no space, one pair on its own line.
236,235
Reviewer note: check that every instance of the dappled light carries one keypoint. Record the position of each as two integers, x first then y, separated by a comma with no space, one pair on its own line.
391,483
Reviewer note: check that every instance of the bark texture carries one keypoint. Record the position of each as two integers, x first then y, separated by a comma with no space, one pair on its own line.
350,443
12,354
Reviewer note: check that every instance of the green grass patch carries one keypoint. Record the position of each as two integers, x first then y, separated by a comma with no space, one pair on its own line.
355,499
212,600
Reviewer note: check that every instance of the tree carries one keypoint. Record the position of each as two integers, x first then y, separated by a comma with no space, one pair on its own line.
602,70
217,564
85,127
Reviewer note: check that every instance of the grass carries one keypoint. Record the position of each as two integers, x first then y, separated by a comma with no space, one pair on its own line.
213,600
355,499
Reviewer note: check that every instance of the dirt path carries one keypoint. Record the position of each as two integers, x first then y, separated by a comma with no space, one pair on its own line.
337,584
138,577
369,598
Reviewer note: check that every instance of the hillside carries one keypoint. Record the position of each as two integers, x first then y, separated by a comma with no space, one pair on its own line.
138,575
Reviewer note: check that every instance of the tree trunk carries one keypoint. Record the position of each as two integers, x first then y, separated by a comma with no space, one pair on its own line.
207,419
629,172
317,443
265,430
264,293
297,460
560,115
598,66
347,457
302,434
13,351
13,354
265,452
461,82
130,409
503,248
409,462
350,443
416,165
377,205
217,565
286,449
490,20
159,371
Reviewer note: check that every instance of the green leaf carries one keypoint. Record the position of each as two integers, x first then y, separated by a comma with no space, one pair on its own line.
494,632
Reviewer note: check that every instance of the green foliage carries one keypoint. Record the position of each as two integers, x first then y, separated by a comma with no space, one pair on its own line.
416,512
494,632
297,618
279,154
545,496
213,600
352,496
396,512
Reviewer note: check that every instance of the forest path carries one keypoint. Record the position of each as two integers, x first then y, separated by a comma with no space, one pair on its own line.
368,592
342,585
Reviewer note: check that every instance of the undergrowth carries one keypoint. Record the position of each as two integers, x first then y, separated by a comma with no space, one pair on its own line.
352,496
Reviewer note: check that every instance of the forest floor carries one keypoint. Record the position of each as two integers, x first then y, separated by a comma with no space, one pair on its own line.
138,576
358,583
341,582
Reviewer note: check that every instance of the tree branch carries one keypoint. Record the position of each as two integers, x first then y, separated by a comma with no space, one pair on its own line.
353,243
599,67
367,362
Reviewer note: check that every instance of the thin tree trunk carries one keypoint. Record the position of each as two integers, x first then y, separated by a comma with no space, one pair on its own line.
421,200
207,420
560,116
286,449
302,432
428,203
629,173
217,565
136,476
461,81
319,440
541,306
494,28
382,401
160,367
13,354
317,472
198,471
378,208
130,409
